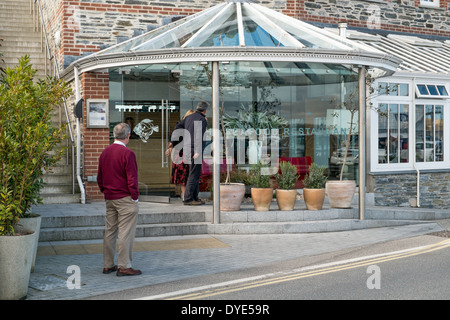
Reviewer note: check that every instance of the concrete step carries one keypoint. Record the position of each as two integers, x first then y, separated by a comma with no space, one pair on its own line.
57,178
58,198
334,225
91,226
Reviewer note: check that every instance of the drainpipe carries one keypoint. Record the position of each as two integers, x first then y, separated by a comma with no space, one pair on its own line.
414,156
80,181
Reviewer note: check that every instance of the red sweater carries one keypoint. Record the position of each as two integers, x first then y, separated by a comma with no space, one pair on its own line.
117,175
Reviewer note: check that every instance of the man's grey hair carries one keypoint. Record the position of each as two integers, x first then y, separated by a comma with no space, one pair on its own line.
121,131
202,106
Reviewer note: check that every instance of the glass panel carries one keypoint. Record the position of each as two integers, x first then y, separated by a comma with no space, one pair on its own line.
432,89
429,133
227,35
393,134
420,133
439,133
404,133
255,35
403,89
382,88
382,133
442,90
177,36
422,89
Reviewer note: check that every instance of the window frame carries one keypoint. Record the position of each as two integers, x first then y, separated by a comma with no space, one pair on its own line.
411,100
430,3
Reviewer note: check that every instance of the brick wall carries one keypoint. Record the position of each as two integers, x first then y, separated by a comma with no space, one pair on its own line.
94,86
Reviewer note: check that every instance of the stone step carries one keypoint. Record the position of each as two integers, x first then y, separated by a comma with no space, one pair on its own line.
149,230
334,225
55,188
91,226
59,198
57,178
18,49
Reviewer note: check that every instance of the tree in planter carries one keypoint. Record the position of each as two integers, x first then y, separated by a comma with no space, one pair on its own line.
27,139
340,193
314,190
351,104
286,179
261,187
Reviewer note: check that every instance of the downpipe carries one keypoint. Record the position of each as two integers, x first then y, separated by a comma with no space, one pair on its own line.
414,156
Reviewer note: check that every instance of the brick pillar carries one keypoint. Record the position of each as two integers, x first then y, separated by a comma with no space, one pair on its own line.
94,86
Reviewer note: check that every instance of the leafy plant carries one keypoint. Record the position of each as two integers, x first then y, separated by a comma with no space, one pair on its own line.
315,178
247,118
28,139
257,178
288,177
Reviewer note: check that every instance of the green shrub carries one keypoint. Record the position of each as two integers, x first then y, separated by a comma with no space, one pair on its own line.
288,177
315,178
257,178
28,140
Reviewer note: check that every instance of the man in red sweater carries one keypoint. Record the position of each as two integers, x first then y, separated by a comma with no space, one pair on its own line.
117,178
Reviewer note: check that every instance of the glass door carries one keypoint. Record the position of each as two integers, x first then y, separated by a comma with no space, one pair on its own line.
147,102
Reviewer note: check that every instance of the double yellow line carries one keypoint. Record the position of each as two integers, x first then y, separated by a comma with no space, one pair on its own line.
300,275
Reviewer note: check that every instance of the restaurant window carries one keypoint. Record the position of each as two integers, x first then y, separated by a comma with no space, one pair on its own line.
429,132
393,133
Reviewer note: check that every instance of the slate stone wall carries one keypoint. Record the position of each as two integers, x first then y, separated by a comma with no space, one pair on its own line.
401,190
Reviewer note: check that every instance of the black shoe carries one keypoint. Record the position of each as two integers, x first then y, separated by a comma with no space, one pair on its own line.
193,203
200,200
109,270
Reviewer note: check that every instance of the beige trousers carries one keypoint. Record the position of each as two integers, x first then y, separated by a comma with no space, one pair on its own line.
120,228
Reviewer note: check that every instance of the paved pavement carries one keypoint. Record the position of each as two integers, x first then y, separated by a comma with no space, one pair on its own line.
166,259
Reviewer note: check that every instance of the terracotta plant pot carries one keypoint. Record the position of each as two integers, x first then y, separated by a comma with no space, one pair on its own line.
262,197
286,199
231,196
340,193
314,198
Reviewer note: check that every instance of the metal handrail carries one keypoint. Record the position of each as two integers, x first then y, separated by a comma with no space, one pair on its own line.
51,57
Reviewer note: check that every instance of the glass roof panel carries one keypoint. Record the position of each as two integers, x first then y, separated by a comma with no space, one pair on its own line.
236,23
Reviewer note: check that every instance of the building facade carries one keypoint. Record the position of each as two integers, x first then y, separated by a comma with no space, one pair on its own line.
408,158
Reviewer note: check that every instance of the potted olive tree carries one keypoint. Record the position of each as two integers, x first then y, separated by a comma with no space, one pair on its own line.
285,193
27,149
314,190
341,192
261,187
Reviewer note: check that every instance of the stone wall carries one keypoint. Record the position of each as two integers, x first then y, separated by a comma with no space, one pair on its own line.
401,190
394,15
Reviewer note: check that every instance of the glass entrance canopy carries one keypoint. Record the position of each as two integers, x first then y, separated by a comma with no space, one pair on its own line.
238,30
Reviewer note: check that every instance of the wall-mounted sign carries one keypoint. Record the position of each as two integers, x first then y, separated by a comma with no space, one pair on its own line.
98,113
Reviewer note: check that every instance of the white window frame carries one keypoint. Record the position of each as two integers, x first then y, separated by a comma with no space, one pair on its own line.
430,3
411,100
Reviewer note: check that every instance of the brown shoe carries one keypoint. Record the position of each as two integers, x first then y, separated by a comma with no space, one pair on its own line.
128,272
109,270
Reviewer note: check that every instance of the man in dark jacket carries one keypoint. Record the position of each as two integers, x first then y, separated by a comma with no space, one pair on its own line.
193,146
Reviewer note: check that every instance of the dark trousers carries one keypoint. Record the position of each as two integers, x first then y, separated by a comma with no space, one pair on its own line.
192,187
